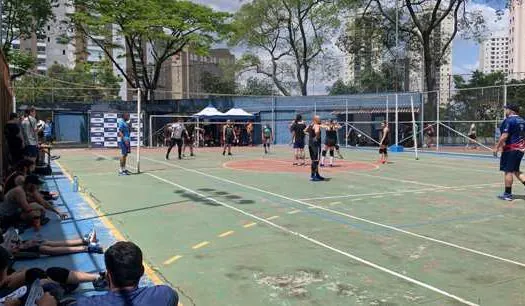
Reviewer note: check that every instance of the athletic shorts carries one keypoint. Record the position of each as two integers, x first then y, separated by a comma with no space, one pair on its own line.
229,140
188,141
125,148
510,161
472,136
31,151
330,142
315,151
267,140
298,144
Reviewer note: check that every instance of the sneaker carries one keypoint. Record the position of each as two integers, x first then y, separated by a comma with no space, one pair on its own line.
331,165
223,153
127,171
192,155
321,165
122,173
101,283
95,248
167,157
180,157
314,179
229,154
35,293
91,237
319,177
15,295
505,197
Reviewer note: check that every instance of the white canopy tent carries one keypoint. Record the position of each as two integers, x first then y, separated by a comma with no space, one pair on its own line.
209,112
238,112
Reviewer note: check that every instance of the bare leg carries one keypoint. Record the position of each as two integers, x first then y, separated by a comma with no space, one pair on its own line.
520,176
64,243
48,250
76,277
508,179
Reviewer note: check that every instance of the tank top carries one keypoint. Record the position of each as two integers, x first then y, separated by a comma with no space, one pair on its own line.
331,134
313,138
229,131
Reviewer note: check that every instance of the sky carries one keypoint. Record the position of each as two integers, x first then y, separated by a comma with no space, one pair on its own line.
465,53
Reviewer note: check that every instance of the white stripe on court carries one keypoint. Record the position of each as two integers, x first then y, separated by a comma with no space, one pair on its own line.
320,243
398,193
312,206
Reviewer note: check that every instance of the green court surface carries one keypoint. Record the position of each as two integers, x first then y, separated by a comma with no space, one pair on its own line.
252,230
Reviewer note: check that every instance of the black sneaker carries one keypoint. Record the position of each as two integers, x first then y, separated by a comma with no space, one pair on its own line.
223,153
35,293
229,154
101,283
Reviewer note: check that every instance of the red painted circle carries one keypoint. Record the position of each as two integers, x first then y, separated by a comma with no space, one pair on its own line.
281,165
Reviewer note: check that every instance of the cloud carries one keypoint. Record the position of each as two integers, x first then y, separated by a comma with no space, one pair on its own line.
465,68
496,21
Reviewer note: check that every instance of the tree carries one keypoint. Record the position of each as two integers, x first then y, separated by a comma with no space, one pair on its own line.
422,21
21,20
219,85
291,33
84,83
258,87
153,32
341,88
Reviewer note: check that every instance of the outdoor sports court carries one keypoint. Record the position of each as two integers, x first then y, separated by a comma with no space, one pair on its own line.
252,230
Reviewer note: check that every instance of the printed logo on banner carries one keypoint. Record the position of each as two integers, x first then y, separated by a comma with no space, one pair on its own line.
110,134
101,124
133,143
97,120
110,144
110,115
110,125
97,135
97,130
99,144
95,139
111,120
97,115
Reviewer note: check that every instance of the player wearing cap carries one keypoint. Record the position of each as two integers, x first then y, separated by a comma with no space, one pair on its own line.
512,145
123,140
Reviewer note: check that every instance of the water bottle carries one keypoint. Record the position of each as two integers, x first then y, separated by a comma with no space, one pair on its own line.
75,184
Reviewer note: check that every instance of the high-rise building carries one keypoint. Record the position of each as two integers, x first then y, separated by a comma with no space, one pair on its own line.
516,41
181,75
494,54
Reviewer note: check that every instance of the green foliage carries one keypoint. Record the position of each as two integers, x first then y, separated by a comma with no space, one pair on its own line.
218,85
292,33
84,83
258,87
341,88
161,27
21,19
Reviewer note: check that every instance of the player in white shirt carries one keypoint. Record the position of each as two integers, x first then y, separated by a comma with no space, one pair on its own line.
177,132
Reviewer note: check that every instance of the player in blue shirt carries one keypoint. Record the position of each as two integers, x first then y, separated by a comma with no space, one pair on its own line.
512,145
123,139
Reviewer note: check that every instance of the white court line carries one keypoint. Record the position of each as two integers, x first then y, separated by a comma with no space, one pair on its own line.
321,244
397,193
398,180
312,206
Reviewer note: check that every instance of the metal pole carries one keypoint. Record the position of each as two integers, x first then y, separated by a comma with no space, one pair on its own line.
414,129
397,122
346,123
14,102
89,129
273,118
504,98
422,118
438,125
387,111
151,131
139,100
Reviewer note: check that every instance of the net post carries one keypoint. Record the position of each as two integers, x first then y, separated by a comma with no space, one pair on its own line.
139,107
346,123
422,117
150,119
387,110
414,130
438,125
504,97
397,121
89,128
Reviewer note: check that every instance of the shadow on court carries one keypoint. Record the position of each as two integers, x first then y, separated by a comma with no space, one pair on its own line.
226,195
128,211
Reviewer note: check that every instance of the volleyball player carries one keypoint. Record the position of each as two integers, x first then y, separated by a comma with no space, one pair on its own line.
314,146
228,137
267,137
177,131
123,140
189,139
330,142
297,128
383,144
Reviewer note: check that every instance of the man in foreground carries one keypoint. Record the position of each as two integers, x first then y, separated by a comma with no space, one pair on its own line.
177,132
512,145
124,270
314,146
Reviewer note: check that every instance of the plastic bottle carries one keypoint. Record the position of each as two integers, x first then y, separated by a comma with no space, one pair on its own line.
75,184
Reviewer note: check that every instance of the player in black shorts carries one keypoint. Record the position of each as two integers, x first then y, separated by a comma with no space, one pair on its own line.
330,142
314,146
188,139
297,128
228,137
383,144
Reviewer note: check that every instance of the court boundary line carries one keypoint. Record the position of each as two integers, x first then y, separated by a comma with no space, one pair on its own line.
393,228
320,243
395,192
